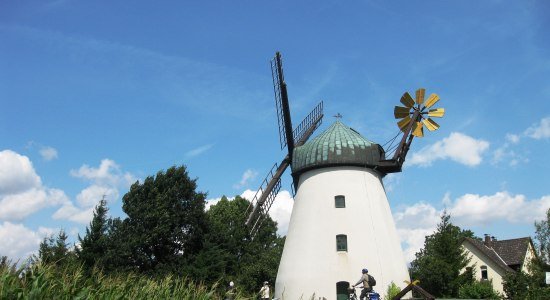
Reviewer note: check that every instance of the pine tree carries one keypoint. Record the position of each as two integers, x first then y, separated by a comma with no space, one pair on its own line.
93,246
438,265
55,250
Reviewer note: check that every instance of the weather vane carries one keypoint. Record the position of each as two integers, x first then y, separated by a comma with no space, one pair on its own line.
338,116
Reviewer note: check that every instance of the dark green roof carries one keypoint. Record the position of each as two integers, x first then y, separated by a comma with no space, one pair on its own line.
338,145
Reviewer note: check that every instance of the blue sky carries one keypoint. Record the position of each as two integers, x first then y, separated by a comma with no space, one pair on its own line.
96,95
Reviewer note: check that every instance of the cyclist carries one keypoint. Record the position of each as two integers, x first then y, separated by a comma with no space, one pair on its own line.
366,279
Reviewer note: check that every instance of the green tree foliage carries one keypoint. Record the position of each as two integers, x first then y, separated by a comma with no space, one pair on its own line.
392,291
478,290
165,224
439,263
55,250
229,254
93,247
167,238
542,236
527,285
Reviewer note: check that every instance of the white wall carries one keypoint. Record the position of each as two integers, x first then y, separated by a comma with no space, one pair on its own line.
478,259
528,257
310,263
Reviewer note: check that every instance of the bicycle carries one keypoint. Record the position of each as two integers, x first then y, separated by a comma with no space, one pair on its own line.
372,295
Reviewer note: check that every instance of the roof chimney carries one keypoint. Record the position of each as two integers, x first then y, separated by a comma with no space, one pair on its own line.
488,241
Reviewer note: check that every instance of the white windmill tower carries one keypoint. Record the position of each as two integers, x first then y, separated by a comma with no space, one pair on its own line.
341,220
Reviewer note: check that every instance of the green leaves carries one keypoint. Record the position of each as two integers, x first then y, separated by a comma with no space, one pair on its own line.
439,263
230,255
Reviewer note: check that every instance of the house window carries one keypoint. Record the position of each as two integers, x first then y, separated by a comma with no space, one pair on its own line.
339,201
342,290
484,273
341,242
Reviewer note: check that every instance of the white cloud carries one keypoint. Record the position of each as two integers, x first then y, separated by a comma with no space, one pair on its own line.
81,215
91,195
457,147
280,210
18,206
48,153
391,181
16,173
108,173
106,180
198,151
18,241
248,175
476,209
21,189
415,222
214,201
540,130
504,154
512,138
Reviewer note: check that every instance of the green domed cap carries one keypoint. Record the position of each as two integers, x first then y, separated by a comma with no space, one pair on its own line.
339,145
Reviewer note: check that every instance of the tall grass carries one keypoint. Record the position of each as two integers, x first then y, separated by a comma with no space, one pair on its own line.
42,281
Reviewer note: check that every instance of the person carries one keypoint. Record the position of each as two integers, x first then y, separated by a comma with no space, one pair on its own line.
231,291
264,291
365,279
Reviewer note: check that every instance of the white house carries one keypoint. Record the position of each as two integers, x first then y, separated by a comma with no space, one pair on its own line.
491,259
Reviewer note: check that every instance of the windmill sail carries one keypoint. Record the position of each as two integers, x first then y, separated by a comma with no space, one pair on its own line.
281,102
264,197
266,194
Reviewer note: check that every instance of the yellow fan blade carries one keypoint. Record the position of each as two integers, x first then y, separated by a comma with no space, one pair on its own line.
401,112
420,95
430,124
403,123
431,100
436,112
417,130
407,100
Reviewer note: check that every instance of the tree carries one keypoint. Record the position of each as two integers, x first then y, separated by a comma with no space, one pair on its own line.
438,265
165,224
542,236
93,246
531,284
55,250
229,253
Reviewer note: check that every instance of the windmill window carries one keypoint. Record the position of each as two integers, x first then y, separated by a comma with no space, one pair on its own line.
339,201
341,242
484,273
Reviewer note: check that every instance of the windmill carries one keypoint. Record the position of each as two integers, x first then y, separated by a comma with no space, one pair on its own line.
341,220
289,138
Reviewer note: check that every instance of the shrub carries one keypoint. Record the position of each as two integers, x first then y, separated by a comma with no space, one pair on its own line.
478,290
392,291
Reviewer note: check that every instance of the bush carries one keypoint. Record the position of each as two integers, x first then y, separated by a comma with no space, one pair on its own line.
392,291
478,290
